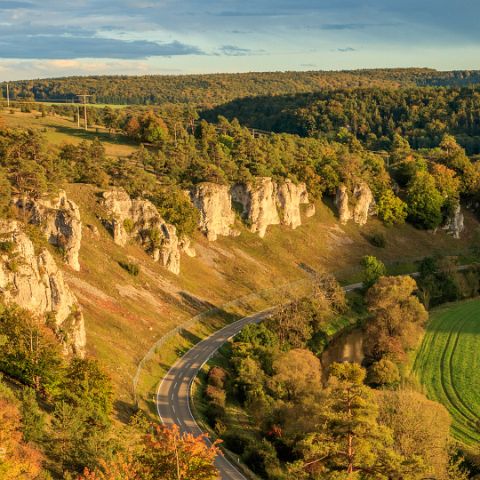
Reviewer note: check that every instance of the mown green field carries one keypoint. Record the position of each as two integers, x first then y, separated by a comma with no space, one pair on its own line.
448,365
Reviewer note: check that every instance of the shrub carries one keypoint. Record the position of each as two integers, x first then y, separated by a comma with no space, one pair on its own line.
6,246
378,240
217,377
215,395
236,441
132,268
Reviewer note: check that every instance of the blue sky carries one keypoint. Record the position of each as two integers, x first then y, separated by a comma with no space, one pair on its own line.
42,38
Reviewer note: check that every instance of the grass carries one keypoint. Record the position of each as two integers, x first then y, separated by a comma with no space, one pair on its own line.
58,130
447,365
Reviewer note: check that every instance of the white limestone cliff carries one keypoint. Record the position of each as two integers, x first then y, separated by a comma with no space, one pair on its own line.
214,203
59,219
139,219
33,281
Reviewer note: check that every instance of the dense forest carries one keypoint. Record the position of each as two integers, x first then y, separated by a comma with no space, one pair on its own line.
373,115
214,89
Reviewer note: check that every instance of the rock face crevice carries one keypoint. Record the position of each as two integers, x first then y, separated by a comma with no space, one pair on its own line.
60,221
34,282
214,203
138,219
357,208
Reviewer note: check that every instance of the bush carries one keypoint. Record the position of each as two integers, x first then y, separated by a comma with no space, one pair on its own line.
236,441
378,240
217,377
215,395
132,268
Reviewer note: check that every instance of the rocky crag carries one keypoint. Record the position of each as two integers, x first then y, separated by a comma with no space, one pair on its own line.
214,203
357,208
33,281
455,223
139,220
59,219
265,202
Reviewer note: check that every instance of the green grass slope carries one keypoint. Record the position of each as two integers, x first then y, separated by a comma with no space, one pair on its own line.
448,362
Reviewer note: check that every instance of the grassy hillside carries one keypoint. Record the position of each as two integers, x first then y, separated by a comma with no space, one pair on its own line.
447,365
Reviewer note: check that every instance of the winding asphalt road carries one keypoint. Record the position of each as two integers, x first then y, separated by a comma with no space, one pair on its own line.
173,393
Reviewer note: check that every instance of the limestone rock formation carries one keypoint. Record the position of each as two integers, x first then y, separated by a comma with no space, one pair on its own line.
455,223
34,282
259,204
290,197
139,219
363,201
358,208
215,205
342,204
59,219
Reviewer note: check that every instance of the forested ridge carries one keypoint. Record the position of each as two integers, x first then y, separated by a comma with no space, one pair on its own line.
373,115
214,89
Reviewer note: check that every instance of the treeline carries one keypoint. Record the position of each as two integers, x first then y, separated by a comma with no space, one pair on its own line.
423,187
373,115
215,89
343,421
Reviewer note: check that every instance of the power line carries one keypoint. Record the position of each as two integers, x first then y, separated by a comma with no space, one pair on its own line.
84,98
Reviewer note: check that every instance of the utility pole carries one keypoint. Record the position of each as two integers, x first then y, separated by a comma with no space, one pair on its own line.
8,97
84,98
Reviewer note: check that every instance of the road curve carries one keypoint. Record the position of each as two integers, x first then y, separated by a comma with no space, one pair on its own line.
173,393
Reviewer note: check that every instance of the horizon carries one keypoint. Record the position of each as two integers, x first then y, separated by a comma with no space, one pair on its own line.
51,39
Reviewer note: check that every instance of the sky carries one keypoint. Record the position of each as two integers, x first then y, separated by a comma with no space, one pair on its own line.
48,38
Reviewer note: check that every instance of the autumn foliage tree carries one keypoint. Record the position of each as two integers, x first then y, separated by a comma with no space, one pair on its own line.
397,317
18,459
165,454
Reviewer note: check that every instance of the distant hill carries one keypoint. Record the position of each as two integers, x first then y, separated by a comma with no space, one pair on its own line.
215,89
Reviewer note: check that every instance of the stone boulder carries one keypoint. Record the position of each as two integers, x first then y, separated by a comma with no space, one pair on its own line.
214,202
33,281
59,219
455,223
138,219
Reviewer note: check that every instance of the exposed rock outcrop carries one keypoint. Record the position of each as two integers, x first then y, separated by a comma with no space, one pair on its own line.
139,219
290,197
214,202
363,201
34,282
59,219
455,223
259,204
358,208
342,204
